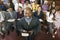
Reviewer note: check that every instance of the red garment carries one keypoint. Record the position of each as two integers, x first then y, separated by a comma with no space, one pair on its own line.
22,1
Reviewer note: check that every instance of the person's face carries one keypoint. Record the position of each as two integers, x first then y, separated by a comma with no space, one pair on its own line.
46,2
27,2
39,9
53,11
10,9
54,3
28,14
35,2
20,9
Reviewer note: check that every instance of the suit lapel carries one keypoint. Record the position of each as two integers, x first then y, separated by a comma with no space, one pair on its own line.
9,15
25,24
31,21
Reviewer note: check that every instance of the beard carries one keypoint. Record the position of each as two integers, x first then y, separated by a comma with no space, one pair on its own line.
27,17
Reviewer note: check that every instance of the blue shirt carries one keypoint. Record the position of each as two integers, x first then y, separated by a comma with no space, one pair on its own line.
28,19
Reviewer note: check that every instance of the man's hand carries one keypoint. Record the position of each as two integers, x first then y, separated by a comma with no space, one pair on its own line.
24,31
31,32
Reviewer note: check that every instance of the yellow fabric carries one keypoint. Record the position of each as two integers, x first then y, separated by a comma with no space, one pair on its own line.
35,6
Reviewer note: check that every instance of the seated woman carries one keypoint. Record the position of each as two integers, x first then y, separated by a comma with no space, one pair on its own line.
50,19
27,4
20,13
39,14
57,20
35,6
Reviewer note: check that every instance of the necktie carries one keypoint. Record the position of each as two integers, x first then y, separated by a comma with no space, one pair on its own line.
28,23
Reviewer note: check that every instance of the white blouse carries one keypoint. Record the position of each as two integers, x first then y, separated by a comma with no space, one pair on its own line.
49,17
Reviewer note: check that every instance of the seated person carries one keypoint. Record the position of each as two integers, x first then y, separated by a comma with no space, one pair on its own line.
27,4
29,25
57,20
50,16
35,6
45,6
20,13
39,14
11,16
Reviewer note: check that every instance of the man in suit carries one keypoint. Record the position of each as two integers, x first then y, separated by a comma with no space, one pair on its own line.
29,24
11,16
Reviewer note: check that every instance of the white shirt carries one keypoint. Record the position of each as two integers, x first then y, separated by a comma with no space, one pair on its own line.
1,17
29,5
17,6
49,17
14,1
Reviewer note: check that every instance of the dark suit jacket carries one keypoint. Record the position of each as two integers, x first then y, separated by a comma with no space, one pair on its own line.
34,25
8,16
20,15
40,16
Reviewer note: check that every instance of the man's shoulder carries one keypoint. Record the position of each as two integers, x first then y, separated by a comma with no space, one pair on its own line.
35,18
22,19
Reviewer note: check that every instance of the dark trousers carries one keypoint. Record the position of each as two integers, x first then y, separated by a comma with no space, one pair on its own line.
10,27
30,37
50,27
